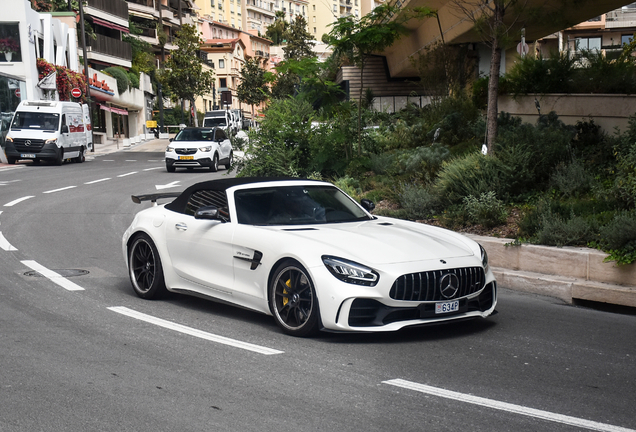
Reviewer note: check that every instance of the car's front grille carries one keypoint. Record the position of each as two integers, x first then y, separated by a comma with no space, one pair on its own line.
28,145
427,286
185,151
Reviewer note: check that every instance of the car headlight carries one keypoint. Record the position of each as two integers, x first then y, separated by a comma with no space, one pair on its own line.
350,272
205,149
9,139
484,258
50,141
169,149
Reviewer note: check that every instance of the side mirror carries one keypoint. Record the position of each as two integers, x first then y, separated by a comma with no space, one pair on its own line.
211,213
368,205
64,129
170,140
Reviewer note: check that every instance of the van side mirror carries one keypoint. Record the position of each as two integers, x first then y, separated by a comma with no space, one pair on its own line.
64,129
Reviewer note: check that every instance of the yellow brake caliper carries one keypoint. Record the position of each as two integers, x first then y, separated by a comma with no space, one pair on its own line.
286,299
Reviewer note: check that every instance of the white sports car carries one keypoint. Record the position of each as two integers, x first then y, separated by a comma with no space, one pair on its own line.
306,253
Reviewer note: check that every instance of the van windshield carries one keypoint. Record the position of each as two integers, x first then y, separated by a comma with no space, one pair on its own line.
214,121
36,120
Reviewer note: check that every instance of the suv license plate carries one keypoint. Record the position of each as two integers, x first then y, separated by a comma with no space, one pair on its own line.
447,307
27,156
186,157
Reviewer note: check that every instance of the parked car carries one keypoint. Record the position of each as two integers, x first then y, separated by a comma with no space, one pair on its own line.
199,147
306,253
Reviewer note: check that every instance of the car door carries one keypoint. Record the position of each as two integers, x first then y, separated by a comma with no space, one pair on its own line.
201,250
225,145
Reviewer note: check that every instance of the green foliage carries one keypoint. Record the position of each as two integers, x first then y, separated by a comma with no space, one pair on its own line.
625,152
281,146
556,230
418,202
572,179
618,238
275,32
120,74
299,42
350,186
253,89
486,209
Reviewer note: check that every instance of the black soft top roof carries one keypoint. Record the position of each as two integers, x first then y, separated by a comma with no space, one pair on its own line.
179,204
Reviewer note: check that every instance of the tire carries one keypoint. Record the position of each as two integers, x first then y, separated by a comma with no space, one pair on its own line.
12,160
229,161
292,300
59,159
215,163
170,168
36,161
81,158
144,268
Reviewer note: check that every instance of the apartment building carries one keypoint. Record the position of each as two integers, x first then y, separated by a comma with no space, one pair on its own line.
228,12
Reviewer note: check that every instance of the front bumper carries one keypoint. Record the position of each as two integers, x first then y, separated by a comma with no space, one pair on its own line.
35,151
204,162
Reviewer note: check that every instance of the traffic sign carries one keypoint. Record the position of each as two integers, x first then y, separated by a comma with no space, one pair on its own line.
17,92
76,93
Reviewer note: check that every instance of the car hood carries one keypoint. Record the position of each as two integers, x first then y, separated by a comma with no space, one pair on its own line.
385,241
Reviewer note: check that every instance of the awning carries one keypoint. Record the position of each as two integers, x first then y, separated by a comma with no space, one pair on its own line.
111,25
114,110
141,14
104,107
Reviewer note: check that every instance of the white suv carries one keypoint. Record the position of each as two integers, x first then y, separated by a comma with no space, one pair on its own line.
199,147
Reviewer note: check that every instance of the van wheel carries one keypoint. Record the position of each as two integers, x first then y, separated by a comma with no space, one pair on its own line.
11,160
60,157
81,158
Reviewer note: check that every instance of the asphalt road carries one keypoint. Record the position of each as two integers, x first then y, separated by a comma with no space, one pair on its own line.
79,351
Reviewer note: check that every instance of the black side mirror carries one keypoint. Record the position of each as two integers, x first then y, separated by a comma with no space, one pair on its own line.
211,213
368,205
64,129
170,140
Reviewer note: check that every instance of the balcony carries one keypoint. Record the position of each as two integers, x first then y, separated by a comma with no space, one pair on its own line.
118,8
621,18
147,3
111,47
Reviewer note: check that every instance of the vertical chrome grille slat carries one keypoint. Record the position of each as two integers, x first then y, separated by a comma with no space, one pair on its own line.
424,286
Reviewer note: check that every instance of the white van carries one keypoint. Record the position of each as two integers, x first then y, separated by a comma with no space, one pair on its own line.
220,118
49,130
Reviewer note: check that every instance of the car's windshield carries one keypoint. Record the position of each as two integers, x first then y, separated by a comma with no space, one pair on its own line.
296,205
195,135
36,120
214,121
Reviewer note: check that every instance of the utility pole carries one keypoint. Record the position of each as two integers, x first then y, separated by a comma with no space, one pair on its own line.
88,87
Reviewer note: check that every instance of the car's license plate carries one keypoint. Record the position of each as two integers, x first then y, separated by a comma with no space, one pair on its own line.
27,156
447,307
186,157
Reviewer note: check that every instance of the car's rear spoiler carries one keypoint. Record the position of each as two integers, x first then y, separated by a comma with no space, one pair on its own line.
153,197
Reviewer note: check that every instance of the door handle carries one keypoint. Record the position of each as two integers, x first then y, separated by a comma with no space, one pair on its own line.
181,226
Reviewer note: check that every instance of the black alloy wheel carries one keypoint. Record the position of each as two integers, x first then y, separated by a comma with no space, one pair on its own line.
293,300
144,268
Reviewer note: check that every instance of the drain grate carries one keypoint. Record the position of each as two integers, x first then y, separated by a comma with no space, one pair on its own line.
61,272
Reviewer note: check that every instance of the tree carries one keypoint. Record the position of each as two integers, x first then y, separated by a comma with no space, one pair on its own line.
357,40
253,88
276,31
299,41
184,74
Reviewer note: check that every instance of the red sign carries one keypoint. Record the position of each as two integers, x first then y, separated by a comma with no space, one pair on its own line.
76,93
17,92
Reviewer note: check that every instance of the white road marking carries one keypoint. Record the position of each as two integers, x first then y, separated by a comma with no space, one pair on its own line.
4,244
151,169
60,189
108,160
194,332
6,182
19,200
127,174
167,186
131,160
503,406
97,181
52,276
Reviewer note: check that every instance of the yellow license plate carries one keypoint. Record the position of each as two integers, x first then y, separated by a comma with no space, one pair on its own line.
186,157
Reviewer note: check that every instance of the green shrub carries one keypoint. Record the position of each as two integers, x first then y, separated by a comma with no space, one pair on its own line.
418,202
555,230
625,152
120,74
350,186
618,238
486,209
381,163
472,174
532,75
572,180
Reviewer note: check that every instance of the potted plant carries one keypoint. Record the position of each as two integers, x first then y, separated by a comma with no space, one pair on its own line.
8,46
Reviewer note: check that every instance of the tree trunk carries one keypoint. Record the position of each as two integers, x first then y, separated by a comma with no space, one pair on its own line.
493,82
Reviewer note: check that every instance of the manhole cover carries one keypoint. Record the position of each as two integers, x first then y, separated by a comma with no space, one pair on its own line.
62,272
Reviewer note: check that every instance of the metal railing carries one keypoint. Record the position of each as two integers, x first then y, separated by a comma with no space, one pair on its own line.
119,8
110,46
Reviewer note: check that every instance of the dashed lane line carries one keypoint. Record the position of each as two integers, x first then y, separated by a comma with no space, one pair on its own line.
503,406
194,332
97,181
52,276
60,189
19,200
127,174
4,244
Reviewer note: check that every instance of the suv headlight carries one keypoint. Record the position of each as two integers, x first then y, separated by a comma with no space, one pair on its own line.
350,272
484,258
205,149
169,149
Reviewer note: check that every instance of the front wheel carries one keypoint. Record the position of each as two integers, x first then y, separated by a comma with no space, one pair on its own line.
292,300
215,163
144,268
230,159
170,168
59,159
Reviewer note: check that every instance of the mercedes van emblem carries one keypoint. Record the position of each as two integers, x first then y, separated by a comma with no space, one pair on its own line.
448,285
27,143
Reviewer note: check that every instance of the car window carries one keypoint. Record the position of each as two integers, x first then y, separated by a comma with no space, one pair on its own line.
204,198
214,121
220,135
195,135
296,205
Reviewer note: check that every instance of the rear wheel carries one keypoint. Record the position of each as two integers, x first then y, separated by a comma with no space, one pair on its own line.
292,299
144,268
81,158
